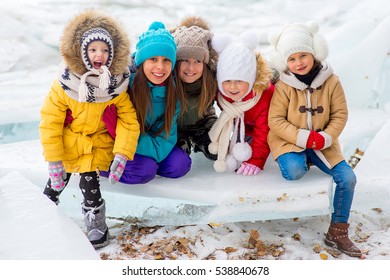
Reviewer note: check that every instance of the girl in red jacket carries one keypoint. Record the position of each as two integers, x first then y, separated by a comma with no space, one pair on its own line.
244,96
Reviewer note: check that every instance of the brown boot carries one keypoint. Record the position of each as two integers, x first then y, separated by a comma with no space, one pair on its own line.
337,237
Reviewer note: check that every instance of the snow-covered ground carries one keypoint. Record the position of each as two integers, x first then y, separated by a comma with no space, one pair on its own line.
357,32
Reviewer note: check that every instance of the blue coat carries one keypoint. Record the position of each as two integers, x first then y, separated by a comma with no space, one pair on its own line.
157,147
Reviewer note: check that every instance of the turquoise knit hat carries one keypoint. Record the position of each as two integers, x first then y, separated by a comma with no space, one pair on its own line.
156,41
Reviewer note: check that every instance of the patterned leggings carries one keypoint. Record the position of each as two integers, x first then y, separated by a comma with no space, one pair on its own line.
89,185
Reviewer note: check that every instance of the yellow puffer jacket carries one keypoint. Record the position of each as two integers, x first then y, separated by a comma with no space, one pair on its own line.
85,145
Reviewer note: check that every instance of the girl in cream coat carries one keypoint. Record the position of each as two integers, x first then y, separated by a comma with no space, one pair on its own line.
308,112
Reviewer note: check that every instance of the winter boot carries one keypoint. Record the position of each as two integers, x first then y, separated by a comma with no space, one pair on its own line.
95,220
337,237
201,141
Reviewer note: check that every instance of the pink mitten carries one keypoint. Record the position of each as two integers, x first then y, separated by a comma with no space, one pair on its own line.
248,169
117,168
57,175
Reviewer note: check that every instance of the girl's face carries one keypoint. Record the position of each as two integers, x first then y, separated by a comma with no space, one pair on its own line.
300,63
235,89
98,53
157,69
190,70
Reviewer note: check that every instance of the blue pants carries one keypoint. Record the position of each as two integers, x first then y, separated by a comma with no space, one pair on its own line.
295,165
143,169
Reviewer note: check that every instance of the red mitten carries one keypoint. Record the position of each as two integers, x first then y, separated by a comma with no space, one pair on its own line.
315,141
310,140
68,118
110,118
319,141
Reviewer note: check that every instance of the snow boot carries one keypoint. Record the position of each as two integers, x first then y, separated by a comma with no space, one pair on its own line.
337,237
95,220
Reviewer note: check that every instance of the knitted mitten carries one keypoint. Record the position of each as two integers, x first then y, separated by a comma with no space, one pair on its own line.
57,175
117,168
248,169
315,141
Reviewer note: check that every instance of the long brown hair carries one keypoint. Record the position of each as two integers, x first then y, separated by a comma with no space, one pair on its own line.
140,93
207,92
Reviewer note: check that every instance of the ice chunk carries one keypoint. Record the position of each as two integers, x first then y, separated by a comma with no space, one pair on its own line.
34,228
373,189
202,196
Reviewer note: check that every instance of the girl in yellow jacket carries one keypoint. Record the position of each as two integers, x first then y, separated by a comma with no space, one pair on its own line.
96,52
308,112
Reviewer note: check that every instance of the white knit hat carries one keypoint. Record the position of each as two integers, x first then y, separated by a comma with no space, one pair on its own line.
237,59
294,38
96,34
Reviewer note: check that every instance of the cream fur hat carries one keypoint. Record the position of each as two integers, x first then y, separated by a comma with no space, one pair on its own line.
297,37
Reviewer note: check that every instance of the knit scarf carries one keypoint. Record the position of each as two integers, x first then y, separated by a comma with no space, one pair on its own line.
93,86
232,114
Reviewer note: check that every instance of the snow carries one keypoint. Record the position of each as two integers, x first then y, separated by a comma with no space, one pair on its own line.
359,53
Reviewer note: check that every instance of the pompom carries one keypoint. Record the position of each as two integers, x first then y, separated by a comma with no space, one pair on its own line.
273,38
219,166
242,151
320,47
249,39
156,25
313,27
220,41
276,61
195,21
213,148
231,163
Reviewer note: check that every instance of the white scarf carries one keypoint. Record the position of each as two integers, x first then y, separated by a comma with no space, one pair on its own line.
93,86
221,131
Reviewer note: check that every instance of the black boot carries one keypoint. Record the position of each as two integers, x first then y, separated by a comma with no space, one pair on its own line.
201,141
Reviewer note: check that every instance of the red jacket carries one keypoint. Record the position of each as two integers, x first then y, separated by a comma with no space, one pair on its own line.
256,126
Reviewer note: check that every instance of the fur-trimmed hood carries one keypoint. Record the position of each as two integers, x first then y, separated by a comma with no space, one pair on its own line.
70,43
263,74
191,21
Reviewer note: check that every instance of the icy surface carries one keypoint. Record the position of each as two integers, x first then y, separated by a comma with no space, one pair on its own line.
202,196
373,173
33,228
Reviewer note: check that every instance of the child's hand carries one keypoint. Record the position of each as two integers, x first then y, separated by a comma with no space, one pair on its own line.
315,141
117,168
68,118
110,119
57,175
248,169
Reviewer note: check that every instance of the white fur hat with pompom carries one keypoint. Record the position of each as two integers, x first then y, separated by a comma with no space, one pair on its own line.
294,38
237,58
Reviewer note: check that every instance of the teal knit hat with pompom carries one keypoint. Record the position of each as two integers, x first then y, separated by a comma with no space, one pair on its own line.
156,41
